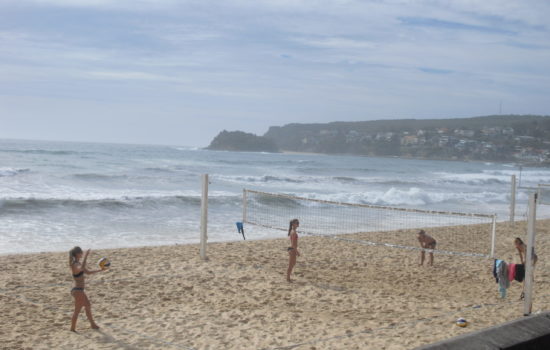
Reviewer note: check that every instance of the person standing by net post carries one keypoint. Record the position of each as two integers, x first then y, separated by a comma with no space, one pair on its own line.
293,249
522,250
426,242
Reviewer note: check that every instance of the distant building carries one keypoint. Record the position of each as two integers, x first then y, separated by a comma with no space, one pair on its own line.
523,139
352,136
384,136
491,131
465,133
409,140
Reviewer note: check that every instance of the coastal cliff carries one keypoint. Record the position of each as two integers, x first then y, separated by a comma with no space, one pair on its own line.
242,141
506,138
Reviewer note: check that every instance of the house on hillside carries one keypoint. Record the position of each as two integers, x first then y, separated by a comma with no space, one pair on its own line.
409,140
465,133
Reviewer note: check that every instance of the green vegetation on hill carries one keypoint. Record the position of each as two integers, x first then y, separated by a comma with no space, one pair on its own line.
241,141
517,138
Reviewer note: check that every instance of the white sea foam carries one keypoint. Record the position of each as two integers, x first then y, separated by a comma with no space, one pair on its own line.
124,195
6,171
411,197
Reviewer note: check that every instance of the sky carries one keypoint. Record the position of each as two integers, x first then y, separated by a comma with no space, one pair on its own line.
178,72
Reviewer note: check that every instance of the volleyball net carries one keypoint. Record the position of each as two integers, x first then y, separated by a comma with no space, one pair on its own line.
469,234
544,194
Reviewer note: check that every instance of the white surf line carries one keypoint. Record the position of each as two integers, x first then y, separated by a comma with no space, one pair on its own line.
372,206
408,323
108,324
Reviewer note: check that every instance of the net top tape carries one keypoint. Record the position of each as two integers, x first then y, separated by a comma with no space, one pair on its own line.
491,216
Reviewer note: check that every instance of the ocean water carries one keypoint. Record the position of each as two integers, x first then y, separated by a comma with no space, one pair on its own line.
54,195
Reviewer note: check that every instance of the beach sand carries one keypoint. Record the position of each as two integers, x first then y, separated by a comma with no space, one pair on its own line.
345,296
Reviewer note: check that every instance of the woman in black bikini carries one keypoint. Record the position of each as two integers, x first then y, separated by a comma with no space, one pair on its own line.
78,270
293,249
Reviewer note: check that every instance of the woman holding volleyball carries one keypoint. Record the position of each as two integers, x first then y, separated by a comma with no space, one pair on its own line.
78,270
293,249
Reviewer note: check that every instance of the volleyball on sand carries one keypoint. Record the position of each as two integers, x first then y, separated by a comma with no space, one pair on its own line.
461,322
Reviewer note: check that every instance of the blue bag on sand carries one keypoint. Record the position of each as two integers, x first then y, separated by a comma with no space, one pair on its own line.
240,228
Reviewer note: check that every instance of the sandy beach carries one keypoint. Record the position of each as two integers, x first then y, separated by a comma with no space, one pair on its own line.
345,296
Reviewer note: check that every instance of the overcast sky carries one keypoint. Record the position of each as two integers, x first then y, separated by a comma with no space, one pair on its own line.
178,72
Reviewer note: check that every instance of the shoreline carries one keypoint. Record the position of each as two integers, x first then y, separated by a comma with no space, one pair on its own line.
510,162
345,296
237,240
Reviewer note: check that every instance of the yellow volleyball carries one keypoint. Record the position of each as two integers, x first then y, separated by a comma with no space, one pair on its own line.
104,263
461,322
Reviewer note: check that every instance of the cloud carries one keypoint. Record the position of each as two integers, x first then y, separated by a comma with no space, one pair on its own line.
129,5
449,25
278,60
435,70
337,43
129,76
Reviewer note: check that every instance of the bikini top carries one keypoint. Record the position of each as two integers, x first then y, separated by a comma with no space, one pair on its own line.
78,274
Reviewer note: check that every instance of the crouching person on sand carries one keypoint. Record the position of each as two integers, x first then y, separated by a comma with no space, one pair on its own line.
426,242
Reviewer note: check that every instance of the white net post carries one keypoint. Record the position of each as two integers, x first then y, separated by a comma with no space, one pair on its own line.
513,199
244,205
543,194
493,236
529,281
204,216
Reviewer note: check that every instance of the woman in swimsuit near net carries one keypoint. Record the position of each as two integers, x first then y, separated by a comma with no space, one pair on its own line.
78,270
293,249
522,250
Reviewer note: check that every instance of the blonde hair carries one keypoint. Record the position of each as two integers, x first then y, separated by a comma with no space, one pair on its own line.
73,253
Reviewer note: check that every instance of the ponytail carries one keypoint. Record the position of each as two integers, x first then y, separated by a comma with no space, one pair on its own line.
293,221
72,255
